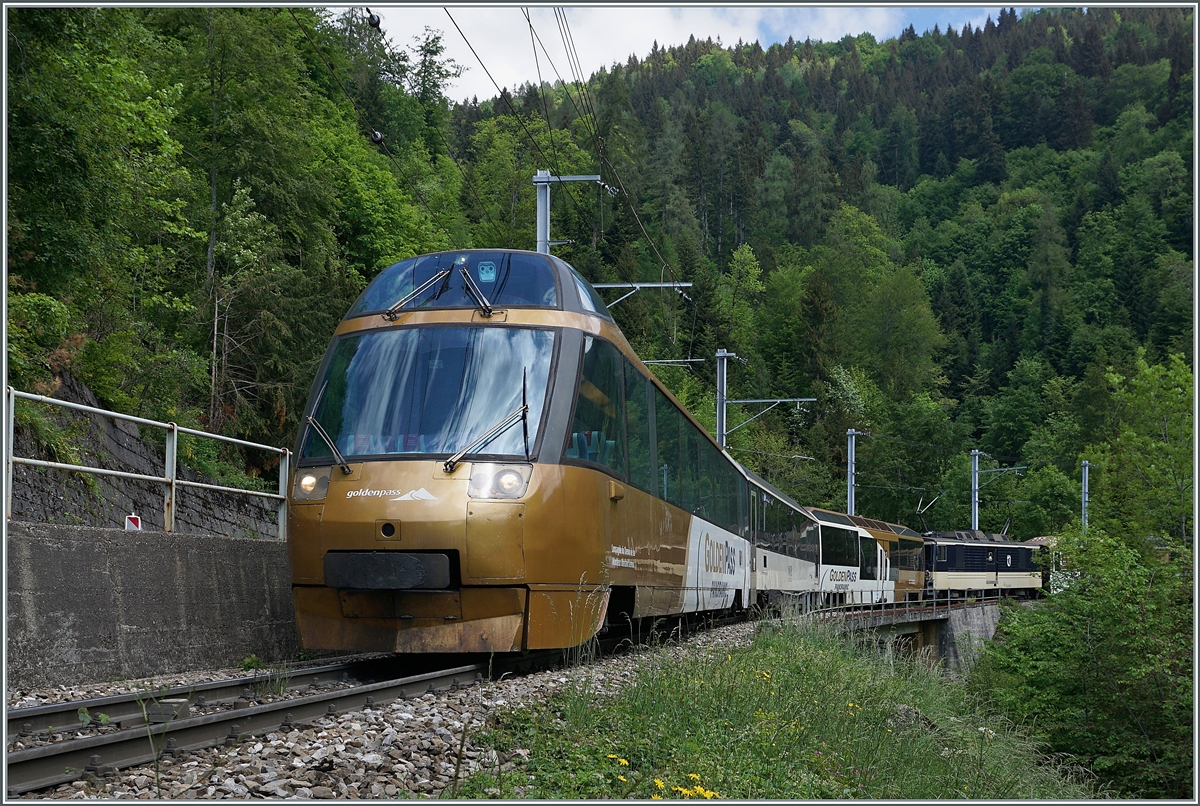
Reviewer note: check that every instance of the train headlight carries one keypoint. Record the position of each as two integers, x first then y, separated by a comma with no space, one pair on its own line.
499,481
312,483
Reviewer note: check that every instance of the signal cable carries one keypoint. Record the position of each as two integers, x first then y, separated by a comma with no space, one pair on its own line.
468,182
564,29
545,106
375,136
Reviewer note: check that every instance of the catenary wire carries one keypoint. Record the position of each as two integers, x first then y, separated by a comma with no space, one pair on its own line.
516,117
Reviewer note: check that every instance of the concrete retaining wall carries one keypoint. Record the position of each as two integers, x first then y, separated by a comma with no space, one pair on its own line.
93,605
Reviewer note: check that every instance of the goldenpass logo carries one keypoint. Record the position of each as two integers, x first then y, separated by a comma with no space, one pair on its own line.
369,493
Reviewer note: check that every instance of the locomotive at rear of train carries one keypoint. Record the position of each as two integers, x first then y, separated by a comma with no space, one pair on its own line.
486,466
974,563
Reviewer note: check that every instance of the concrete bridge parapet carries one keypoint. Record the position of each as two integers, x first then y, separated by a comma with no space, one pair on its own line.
956,631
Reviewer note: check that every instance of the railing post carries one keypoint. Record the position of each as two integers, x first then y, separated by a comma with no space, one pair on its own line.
169,502
284,471
9,400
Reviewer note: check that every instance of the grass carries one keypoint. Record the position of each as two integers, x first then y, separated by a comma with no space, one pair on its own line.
803,713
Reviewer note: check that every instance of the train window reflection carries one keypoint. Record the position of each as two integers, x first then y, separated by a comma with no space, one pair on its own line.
588,297
869,552
596,432
838,546
431,390
505,278
637,424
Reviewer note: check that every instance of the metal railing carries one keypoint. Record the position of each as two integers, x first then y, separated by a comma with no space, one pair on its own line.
170,479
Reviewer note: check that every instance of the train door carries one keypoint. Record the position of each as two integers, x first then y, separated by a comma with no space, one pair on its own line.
757,499
885,572
993,569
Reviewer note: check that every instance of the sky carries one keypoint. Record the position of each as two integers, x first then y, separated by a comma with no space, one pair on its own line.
604,35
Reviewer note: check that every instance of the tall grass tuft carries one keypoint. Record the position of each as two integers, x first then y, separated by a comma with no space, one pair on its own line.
804,712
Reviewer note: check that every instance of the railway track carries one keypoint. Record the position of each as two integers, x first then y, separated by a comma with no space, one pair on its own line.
137,741
128,710
140,727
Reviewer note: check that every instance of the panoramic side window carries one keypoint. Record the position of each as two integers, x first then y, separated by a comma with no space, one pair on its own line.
808,538
597,429
637,428
869,568
677,454
588,297
838,546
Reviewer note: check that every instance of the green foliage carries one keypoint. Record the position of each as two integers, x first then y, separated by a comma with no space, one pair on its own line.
37,325
1104,668
251,663
802,713
1145,480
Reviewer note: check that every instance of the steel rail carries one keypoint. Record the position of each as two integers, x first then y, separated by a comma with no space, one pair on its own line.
122,708
53,764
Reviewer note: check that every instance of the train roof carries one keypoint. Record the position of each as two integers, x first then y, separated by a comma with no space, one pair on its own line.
883,526
970,536
842,519
766,485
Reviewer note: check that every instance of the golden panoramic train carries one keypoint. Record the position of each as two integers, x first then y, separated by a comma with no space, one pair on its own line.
486,466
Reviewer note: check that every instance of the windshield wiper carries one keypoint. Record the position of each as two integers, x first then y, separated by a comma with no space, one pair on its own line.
525,417
518,413
393,312
311,422
485,307
341,460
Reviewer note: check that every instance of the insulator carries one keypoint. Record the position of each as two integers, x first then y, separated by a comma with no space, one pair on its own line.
373,20
376,137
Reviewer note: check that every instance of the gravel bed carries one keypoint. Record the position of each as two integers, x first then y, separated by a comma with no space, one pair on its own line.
405,748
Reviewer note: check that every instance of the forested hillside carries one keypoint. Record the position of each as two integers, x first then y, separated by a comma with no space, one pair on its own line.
975,239
947,239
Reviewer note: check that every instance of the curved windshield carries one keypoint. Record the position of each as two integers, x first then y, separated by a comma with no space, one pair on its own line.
431,390
504,278
588,297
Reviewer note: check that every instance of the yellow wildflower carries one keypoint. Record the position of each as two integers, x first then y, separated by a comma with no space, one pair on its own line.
656,797
612,755
620,777
623,762
658,782
693,776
